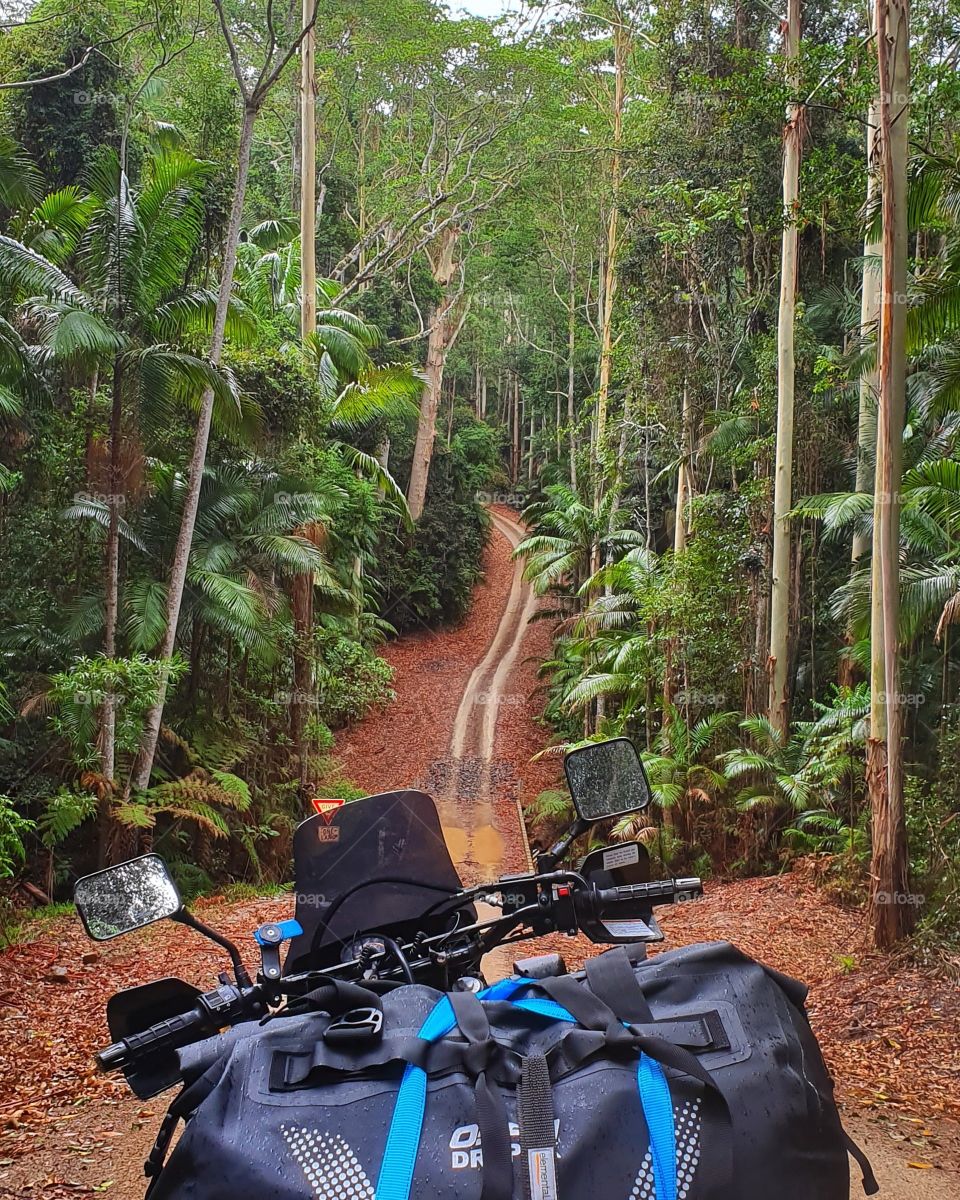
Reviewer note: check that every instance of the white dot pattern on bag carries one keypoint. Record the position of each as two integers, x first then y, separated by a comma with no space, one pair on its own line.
331,1167
688,1155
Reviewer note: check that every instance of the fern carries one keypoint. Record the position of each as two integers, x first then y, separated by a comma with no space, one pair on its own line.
550,805
134,815
197,797
63,813
235,790
202,814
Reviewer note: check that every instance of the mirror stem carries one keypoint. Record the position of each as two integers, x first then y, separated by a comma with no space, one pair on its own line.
549,859
239,970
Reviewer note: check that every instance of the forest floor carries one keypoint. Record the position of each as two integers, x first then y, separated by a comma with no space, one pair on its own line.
464,726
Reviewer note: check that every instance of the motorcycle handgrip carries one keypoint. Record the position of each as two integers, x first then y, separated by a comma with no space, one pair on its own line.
170,1034
660,891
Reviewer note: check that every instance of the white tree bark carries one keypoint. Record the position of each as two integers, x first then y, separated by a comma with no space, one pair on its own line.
443,266
779,706
889,866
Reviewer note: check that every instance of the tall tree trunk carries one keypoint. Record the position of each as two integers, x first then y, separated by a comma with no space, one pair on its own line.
686,442
571,368
143,765
301,587
515,453
308,176
443,266
108,707
869,317
783,474
622,45
112,567
890,913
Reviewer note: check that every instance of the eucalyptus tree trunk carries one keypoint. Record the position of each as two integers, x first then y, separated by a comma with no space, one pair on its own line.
621,52
686,444
108,719
443,268
108,707
779,704
571,377
308,176
301,588
869,318
890,914
515,451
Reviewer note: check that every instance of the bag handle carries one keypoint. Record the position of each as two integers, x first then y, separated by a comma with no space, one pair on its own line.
403,1138
186,1101
492,1118
611,977
570,1000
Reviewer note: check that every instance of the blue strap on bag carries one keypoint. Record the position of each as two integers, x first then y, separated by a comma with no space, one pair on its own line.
403,1139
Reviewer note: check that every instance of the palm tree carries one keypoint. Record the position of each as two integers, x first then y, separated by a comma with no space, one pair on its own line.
680,768
773,770
612,635
561,554
125,313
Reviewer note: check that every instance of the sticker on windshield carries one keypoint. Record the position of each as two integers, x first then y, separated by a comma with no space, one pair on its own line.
327,808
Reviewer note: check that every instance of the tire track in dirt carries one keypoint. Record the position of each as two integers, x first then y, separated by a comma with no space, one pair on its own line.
467,808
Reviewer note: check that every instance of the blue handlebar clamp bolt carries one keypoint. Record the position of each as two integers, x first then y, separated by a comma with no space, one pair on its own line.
270,938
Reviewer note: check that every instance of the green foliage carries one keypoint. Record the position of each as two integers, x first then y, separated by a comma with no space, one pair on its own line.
64,812
78,694
14,827
933,827
350,680
430,576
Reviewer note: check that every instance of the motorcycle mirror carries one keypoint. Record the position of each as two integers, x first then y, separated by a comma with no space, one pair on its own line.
606,779
126,897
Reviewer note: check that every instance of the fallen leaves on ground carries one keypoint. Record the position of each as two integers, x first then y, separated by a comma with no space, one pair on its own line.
890,1033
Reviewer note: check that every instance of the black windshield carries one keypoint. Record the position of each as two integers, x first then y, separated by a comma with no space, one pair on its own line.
377,864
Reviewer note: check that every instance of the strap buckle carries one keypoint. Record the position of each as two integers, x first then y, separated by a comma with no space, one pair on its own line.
357,1025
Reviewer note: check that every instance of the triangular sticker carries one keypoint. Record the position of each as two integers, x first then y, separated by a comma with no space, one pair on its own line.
327,808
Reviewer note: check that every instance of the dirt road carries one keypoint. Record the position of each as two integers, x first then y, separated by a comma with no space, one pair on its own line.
463,726
466,803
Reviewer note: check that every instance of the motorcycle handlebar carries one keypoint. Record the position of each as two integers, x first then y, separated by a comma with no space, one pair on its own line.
228,1004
